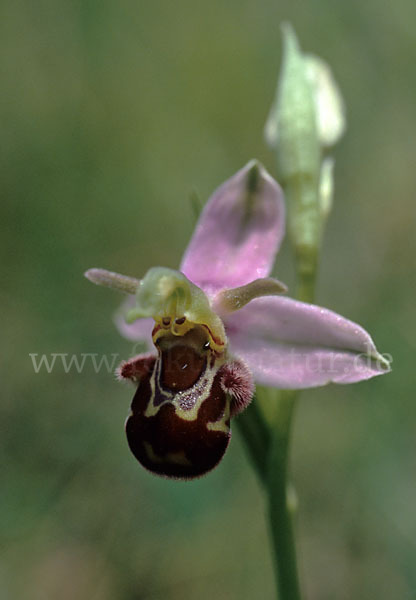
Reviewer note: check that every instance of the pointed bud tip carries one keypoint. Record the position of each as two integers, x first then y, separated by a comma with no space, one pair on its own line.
290,40
287,30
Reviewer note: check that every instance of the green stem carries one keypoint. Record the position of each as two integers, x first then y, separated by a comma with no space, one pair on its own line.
257,438
267,440
279,510
307,270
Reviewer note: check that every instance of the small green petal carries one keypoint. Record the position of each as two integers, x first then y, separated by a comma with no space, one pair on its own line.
112,280
233,299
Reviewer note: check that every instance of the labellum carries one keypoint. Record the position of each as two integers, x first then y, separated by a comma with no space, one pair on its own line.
179,424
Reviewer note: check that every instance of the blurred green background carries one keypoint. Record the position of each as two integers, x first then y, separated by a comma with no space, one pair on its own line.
112,113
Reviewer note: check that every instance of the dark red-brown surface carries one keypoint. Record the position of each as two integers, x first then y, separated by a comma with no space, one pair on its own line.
167,433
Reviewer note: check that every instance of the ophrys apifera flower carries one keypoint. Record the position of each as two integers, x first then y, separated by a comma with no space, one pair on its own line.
218,325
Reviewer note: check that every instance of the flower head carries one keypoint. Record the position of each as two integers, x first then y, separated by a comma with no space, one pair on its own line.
219,323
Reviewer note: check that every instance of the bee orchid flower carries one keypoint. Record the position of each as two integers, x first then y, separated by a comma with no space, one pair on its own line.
218,326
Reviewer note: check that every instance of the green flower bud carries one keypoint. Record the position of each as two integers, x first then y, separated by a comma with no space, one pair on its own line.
307,116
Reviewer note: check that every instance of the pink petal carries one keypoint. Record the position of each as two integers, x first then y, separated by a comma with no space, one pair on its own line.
238,233
140,330
290,344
